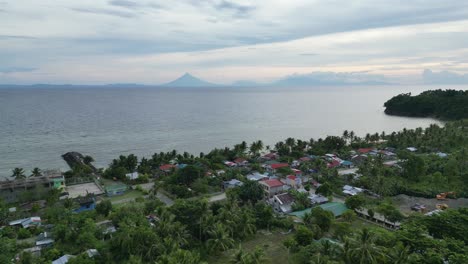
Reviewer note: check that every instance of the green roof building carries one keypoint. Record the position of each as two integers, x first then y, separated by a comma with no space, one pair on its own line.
115,189
336,208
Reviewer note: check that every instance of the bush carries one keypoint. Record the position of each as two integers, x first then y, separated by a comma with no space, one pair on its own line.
24,233
303,236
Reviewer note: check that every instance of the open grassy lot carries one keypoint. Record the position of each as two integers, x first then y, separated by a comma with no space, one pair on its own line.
129,196
271,242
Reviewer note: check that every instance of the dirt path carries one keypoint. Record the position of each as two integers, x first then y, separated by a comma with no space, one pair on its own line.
404,202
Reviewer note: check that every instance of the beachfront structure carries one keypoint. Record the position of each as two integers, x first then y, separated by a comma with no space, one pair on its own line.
272,187
11,190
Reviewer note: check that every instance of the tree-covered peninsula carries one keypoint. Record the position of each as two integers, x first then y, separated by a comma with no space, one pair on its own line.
443,104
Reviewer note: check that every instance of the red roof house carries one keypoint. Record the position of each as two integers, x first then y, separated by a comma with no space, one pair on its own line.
272,187
333,164
167,167
279,165
365,150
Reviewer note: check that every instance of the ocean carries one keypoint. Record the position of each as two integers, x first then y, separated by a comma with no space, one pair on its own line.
38,125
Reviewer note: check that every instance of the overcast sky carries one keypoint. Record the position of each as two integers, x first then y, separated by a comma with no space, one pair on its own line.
222,41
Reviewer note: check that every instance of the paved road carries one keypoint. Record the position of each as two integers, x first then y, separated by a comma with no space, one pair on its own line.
164,198
168,201
218,197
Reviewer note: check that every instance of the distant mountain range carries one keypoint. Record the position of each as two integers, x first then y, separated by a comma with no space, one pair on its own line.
296,80
188,80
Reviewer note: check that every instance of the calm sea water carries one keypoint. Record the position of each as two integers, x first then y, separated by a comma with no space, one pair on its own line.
39,125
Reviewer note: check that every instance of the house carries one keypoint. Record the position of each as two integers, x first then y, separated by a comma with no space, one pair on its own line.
86,203
363,212
230,164
11,190
256,177
441,154
115,189
305,159
293,181
167,167
270,156
351,191
282,203
272,187
63,259
333,164
132,176
297,172
92,252
364,150
44,239
45,242
241,162
317,199
275,166
27,222
107,227
346,164
358,159
411,149
232,184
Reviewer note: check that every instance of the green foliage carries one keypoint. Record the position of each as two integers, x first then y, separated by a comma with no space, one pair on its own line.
325,189
445,104
104,207
303,236
320,217
7,249
355,201
250,191
24,233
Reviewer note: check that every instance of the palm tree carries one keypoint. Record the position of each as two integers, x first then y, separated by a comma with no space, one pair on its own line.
88,159
345,135
351,136
255,257
399,254
36,172
364,250
219,238
18,174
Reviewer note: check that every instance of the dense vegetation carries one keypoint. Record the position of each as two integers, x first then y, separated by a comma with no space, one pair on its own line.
444,104
193,230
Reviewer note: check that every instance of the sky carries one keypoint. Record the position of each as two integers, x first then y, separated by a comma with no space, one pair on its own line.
224,41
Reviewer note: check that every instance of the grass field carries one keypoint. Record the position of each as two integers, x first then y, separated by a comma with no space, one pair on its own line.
129,196
272,244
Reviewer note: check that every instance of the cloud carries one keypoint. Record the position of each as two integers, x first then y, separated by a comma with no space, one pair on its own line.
332,78
134,4
238,10
444,77
227,40
103,11
16,69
